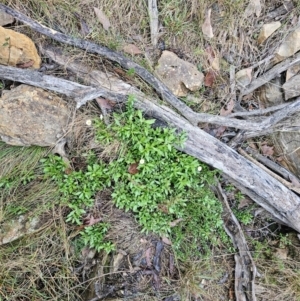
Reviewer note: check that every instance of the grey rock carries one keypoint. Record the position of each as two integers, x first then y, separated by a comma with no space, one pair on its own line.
178,75
5,18
270,94
32,116
292,87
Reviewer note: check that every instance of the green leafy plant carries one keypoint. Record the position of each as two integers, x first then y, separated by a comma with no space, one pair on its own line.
9,182
130,72
166,189
94,237
244,216
284,241
77,188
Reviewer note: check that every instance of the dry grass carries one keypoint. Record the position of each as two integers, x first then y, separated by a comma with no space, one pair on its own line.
20,174
280,280
38,267
206,279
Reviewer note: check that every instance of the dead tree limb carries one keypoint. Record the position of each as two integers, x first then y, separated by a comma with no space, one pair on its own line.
270,74
77,91
82,94
193,117
245,269
250,179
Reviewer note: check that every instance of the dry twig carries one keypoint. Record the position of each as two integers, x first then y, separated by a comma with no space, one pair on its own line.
153,15
245,269
270,74
271,173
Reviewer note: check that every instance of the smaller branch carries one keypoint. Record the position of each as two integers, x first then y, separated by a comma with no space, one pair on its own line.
258,112
271,164
245,269
272,73
271,173
79,92
286,7
232,83
153,15
265,60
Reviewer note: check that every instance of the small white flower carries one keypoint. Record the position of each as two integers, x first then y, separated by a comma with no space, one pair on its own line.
142,161
88,122
101,117
199,168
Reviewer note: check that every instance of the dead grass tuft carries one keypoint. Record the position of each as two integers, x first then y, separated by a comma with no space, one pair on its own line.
82,134
39,267
207,279
21,187
280,280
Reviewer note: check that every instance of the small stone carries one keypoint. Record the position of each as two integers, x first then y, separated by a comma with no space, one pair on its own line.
244,77
5,18
292,71
281,254
267,30
289,47
270,94
178,75
20,226
292,87
17,50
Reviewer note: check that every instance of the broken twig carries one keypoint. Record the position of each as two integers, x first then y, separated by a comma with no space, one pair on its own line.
245,269
270,74
153,15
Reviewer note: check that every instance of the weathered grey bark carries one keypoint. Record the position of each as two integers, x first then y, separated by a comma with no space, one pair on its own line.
80,93
250,179
245,269
270,74
256,183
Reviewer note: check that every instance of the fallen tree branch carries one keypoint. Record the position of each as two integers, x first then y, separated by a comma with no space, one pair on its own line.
245,269
258,112
77,91
270,74
260,186
82,94
193,117
273,174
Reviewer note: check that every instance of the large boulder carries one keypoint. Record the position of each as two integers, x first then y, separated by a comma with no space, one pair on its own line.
32,116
